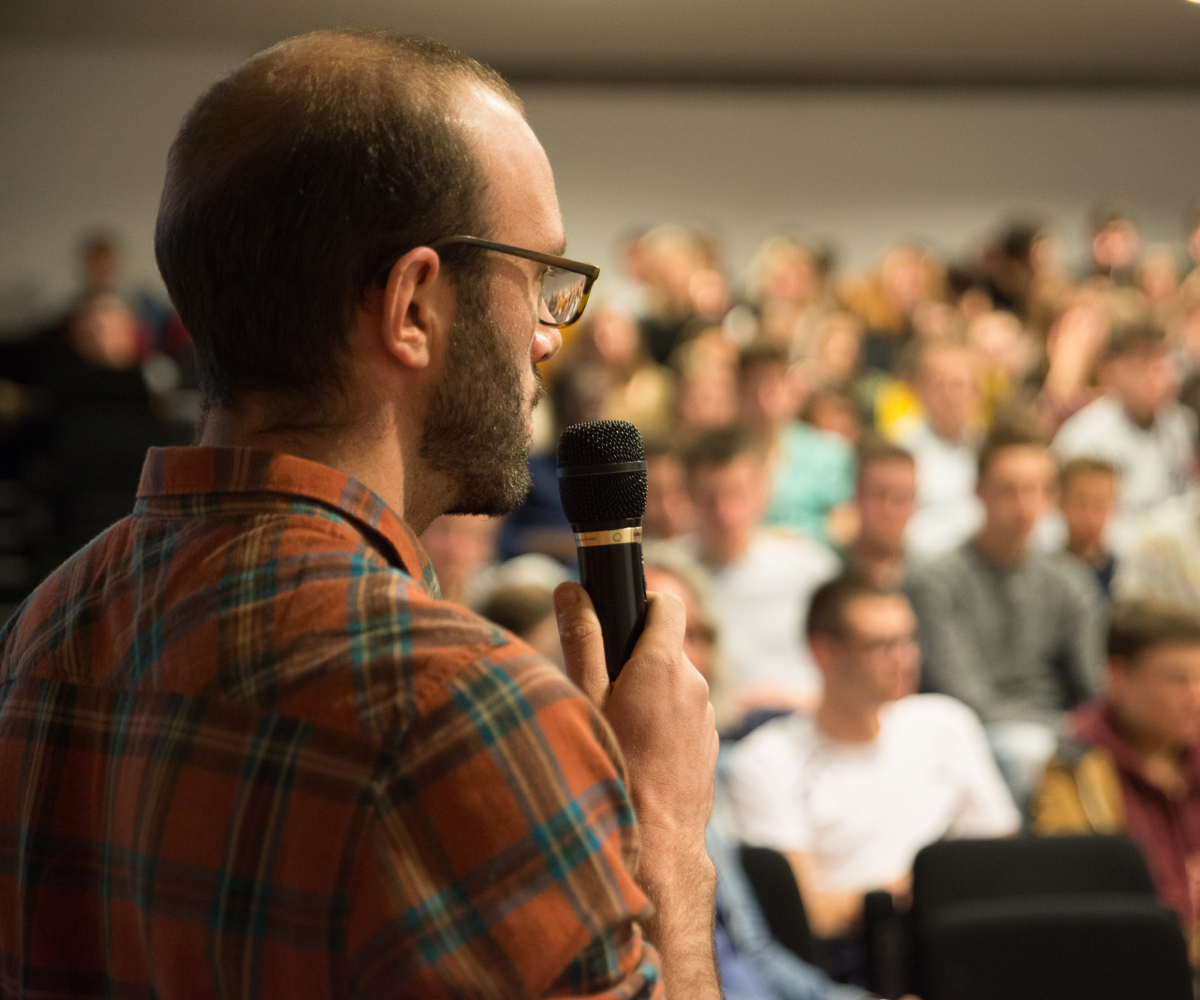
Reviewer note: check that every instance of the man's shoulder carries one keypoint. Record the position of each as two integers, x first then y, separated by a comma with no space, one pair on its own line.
783,740
1064,574
927,713
948,567
1093,427
792,553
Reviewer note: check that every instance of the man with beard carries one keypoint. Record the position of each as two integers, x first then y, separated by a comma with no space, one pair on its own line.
244,747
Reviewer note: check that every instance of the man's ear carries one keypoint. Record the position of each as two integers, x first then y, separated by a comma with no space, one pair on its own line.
415,307
822,652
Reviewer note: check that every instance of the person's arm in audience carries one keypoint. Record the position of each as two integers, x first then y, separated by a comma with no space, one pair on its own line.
836,914
950,659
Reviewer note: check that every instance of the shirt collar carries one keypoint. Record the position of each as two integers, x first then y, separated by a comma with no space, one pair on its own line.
184,471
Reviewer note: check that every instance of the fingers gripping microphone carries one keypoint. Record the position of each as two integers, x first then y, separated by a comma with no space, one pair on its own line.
602,482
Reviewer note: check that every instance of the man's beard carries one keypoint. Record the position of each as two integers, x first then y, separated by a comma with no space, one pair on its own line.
476,431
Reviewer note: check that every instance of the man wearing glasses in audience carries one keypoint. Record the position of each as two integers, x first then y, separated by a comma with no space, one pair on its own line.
851,793
244,747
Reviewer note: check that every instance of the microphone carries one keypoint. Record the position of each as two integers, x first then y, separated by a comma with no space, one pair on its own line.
602,483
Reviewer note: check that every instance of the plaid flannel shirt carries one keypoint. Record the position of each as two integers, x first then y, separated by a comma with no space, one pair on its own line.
246,750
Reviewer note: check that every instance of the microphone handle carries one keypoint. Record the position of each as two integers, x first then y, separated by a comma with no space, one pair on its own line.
610,569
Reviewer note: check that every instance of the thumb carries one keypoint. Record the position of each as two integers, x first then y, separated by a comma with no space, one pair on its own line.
582,643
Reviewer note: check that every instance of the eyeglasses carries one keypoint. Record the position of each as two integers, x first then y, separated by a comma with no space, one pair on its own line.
566,284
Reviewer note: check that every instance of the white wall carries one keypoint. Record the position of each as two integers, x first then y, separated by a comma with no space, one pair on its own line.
84,134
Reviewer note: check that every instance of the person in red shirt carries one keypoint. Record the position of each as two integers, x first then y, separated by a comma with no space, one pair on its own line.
1131,761
245,747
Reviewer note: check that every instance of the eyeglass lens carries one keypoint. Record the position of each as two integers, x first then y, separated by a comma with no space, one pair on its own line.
562,292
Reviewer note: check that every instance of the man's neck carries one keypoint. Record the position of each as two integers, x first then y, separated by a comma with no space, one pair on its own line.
1091,552
1000,548
845,721
879,562
1141,420
367,455
953,436
717,553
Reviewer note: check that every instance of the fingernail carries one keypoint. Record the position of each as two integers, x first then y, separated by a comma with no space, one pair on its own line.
566,597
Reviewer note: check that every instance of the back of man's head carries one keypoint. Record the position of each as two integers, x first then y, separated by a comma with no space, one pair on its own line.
292,183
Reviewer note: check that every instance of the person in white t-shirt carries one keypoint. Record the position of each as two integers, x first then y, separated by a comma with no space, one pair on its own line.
761,579
1138,425
851,793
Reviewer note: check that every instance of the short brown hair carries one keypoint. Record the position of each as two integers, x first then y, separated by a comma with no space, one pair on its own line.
1009,434
827,609
1136,337
761,354
293,182
1085,466
720,447
1138,625
875,449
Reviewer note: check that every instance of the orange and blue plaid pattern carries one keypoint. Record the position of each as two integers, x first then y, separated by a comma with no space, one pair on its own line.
247,751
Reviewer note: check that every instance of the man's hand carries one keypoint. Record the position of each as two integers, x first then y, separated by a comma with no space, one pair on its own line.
659,709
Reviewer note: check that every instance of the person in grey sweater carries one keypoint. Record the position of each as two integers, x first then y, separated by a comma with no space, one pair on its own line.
1015,634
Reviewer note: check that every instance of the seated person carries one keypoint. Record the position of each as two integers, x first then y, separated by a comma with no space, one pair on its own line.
948,510
1131,761
761,580
753,965
1138,425
1015,634
853,792
884,498
1163,556
1087,493
812,471
669,511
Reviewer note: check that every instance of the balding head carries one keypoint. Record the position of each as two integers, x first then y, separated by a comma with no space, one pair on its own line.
293,182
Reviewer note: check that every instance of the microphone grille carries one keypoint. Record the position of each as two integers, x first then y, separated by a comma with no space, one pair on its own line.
619,496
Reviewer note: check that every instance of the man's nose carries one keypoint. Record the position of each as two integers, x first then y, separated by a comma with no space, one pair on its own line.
546,343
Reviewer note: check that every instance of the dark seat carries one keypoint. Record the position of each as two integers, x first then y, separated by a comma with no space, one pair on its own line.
1061,918
774,885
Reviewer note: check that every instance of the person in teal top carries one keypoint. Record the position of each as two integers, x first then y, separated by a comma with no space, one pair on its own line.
812,470
814,473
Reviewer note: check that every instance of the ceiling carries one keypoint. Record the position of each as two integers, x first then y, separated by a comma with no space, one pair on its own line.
1011,42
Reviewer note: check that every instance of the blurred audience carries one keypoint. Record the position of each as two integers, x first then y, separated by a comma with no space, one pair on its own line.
527,611
812,471
669,510
807,422
1163,557
1116,245
1130,761
884,500
761,579
1138,425
1014,634
850,793
943,444
1087,494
